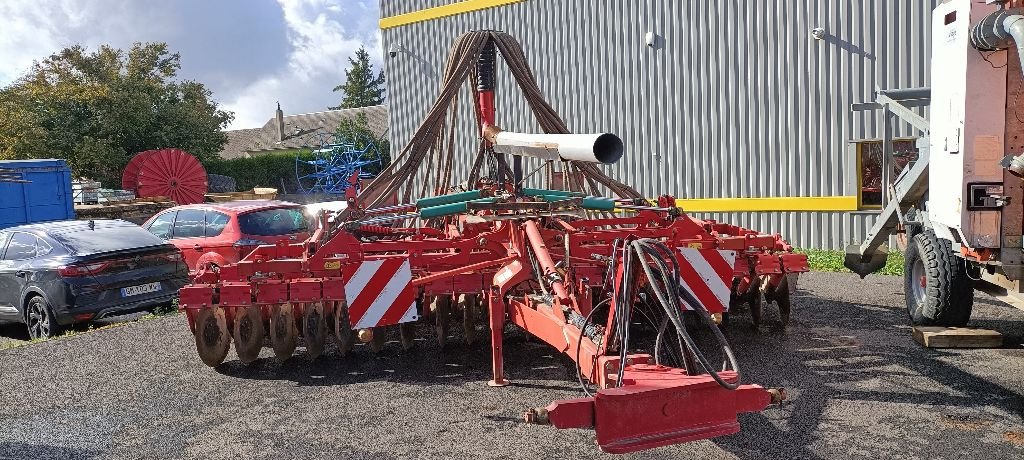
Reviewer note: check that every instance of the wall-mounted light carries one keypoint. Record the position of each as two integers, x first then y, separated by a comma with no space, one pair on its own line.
818,33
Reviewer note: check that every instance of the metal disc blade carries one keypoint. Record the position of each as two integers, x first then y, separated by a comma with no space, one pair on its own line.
468,304
314,329
756,303
283,333
407,334
344,336
442,312
782,299
212,338
248,333
380,337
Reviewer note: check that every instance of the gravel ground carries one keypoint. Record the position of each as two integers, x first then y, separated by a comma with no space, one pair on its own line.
859,387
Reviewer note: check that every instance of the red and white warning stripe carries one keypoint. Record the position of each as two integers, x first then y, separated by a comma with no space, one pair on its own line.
707,275
380,293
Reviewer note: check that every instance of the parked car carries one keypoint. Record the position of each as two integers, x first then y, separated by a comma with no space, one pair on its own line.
224,233
58,273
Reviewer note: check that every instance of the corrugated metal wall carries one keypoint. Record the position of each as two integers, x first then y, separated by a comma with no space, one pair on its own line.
735,100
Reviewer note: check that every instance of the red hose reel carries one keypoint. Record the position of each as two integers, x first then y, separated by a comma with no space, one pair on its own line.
166,172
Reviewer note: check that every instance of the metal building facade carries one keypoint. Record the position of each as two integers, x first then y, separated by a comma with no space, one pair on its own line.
734,100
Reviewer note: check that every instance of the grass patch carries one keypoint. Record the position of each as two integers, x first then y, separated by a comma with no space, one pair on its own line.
822,260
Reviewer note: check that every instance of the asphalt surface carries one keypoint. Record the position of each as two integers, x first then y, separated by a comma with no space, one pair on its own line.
859,387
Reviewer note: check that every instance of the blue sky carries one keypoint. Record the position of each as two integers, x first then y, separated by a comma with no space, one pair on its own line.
251,53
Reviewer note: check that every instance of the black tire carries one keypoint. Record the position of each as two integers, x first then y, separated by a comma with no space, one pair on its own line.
217,183
39,319
938,290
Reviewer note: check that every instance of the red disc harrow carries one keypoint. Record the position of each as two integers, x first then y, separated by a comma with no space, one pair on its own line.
573,267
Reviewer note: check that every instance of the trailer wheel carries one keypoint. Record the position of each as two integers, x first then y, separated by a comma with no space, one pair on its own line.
938,290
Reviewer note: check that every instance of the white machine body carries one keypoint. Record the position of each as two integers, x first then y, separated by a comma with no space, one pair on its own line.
968,125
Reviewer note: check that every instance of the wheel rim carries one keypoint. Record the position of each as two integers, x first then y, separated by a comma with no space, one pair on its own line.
919,282
38,321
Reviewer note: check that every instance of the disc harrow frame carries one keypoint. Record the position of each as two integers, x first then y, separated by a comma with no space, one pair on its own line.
569,267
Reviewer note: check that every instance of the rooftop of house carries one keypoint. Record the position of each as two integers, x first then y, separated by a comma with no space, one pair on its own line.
287,132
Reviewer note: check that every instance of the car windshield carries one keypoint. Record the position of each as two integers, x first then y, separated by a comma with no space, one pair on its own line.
83,241
272,222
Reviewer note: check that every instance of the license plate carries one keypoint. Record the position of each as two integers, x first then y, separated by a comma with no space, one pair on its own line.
140,289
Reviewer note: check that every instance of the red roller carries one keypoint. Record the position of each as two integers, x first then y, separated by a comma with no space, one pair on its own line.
130,177
172,173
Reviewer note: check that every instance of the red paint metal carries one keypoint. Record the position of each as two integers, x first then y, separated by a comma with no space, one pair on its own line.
195,296
270,292
334,289
496,310
171,173
236,294
307,290
675,409
768,264
571,413
485,105
794,263
130,175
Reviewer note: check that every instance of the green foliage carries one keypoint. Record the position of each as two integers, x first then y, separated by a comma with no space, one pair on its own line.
361,88
98,109
832,261
261,170
166,308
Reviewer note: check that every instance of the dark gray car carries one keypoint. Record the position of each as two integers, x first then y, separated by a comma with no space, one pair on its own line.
56,274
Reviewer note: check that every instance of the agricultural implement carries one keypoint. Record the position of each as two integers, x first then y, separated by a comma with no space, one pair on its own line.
568,265
333,164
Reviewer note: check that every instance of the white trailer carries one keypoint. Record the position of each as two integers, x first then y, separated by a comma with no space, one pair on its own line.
959,209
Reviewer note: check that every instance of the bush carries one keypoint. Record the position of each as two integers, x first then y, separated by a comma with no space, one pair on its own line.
166,308
832,261
260,171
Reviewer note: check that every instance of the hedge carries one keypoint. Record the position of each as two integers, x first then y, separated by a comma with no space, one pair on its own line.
260,171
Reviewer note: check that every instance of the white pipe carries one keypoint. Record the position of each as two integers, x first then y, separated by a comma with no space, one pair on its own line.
1014,26
603,148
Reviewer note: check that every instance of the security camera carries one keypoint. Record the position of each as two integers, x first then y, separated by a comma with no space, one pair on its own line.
393,50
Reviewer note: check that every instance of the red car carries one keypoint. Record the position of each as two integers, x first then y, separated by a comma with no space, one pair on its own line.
224,233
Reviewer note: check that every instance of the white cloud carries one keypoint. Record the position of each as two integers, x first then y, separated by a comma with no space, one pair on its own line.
320,47
251,53
32,30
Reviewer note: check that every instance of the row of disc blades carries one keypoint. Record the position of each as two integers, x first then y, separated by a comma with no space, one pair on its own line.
250,328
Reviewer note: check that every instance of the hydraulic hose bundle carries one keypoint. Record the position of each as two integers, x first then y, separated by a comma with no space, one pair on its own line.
648,256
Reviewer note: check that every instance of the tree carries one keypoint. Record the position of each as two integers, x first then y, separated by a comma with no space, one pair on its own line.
98,109
361,88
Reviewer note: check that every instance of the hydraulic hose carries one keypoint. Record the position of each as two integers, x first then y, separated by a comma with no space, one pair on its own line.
651,254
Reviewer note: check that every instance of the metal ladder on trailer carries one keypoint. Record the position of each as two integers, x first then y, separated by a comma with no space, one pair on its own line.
906,191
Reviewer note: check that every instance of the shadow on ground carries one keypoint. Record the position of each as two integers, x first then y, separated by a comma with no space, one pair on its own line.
862,355
21,451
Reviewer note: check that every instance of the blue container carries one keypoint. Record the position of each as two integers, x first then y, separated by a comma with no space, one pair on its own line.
35,191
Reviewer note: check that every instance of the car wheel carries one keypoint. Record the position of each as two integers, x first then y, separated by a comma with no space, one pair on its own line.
39,319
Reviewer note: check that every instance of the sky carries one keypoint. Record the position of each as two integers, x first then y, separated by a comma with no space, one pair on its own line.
250,53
